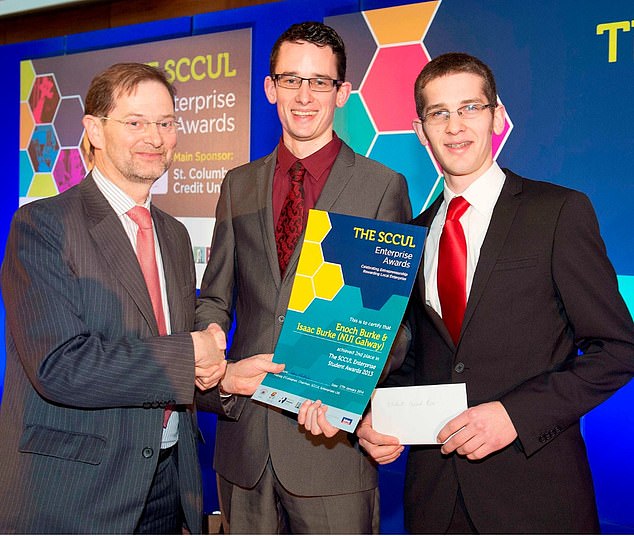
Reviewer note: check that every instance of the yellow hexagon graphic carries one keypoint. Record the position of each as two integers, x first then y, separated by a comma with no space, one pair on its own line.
310,259
328,281
318,227
43,185
27,75
302,294
401,24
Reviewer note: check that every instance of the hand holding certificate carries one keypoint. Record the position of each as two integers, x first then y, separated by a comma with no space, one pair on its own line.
349,295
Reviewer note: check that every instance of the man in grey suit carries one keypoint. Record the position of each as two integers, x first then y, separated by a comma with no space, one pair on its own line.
542,337
97,429
273,476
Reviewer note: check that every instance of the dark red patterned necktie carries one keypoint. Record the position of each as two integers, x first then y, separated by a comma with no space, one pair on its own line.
291,222
452,268
146,254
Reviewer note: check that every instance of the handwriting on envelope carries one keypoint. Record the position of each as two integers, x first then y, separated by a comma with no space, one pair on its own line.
416,414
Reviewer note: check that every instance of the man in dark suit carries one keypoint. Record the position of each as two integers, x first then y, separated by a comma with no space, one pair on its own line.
97,429
535,326
273,476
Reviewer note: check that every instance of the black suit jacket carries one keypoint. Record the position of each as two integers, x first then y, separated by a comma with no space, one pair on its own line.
543,290
87,374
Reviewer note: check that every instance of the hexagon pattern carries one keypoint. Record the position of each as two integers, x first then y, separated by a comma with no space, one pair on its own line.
51,135
315,278
387,89
354,125
377,119
44,98
43,148
68,168
68,121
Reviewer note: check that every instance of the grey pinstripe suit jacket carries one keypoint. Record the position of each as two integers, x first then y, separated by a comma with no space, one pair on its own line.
244,260
87,374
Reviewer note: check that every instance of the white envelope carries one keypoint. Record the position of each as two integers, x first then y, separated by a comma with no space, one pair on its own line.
416,414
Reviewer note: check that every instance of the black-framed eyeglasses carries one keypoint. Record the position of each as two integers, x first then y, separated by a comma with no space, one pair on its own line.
468,111
138,125
291,81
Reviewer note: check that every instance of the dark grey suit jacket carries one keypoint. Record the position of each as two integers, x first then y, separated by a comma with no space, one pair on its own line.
243,277
87,374
543,290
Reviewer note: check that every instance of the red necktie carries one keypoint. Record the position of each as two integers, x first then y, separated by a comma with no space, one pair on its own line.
146,254
291,222
452,268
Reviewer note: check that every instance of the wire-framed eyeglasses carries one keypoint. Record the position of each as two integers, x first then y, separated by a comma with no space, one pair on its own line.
468,111
141,125
291,81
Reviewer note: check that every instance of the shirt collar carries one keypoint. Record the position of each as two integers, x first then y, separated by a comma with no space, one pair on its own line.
483,193
116,197
315,163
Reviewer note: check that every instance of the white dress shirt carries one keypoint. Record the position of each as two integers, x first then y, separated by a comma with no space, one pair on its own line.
482,196
121,203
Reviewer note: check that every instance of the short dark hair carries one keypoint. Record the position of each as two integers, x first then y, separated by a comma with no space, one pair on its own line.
120,79
316,33
452,63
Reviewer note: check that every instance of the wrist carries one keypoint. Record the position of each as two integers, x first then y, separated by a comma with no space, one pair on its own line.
221,391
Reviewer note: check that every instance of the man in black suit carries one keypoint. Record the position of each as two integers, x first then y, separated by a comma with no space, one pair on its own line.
97,428
535,327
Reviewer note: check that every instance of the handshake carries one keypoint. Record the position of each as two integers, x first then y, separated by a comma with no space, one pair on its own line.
211,368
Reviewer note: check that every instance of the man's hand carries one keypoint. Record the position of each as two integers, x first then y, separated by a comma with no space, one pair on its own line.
312,416
243,377
381,448
478,431
209,356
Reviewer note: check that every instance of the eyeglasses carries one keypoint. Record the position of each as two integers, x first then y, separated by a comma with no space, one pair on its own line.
468,111
290,81
166,126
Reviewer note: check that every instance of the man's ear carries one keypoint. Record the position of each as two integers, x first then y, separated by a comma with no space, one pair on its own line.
270,90
417,124
343,93
94,130
498,119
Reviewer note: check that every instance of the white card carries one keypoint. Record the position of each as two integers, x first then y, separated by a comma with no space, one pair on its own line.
416,414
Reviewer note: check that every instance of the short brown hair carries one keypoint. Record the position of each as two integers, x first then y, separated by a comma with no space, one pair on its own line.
118,79
316,33
452,63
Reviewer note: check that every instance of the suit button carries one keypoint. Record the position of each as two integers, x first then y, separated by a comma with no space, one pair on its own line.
459,368
147,405
147,452
155,404
280,319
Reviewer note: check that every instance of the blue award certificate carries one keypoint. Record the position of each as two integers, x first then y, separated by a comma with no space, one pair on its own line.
349,295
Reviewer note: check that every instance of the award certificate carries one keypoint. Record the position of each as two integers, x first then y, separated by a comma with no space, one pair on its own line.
349,295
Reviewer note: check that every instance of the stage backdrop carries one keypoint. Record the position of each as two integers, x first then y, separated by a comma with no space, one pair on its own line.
564,71
212,78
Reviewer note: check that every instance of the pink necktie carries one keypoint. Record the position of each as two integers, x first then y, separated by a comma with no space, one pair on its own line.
291,222
146,254
452,268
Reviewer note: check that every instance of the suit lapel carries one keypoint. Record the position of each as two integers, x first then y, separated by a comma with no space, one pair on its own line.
110,238
171,268
264,185
501,221
339,177
425,220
